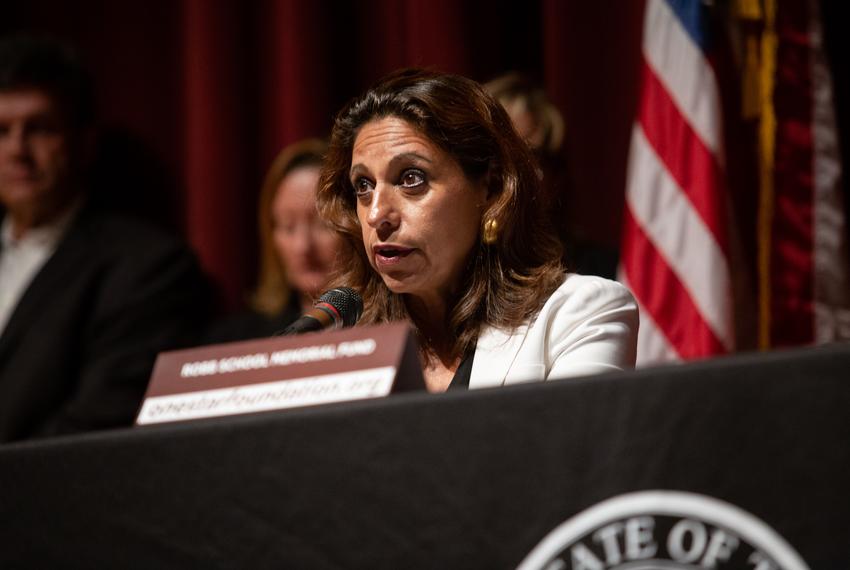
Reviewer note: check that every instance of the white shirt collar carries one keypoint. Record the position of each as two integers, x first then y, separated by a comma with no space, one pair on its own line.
43,236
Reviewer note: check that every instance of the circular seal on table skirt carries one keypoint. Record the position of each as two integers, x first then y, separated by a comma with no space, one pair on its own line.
669,530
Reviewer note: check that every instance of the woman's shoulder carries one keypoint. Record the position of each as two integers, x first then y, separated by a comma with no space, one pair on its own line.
590,325
583,301
589,290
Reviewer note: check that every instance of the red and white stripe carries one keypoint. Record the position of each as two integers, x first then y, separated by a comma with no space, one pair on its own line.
675,249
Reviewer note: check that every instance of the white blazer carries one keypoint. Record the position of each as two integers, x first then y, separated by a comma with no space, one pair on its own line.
589,325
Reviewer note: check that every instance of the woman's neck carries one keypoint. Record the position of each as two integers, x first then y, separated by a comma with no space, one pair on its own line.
439,361
430,314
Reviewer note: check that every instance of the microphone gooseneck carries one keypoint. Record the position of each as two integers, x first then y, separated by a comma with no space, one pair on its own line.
336,308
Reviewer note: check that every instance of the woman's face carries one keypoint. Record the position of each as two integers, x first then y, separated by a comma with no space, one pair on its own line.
306,246
419,214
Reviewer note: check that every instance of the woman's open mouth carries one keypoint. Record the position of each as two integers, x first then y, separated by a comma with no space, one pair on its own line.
390,254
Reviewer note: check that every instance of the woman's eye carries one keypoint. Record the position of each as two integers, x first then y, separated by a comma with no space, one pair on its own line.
412,178
362,186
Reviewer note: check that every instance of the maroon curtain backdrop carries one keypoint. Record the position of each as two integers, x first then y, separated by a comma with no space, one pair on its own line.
212,89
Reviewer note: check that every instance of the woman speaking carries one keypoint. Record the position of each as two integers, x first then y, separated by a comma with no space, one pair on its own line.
437,201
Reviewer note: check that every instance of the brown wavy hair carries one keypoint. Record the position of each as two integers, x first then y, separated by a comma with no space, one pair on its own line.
273,290
504,283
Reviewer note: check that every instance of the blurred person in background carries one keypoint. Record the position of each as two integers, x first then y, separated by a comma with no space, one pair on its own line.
297,249
534,116
539,122
87,298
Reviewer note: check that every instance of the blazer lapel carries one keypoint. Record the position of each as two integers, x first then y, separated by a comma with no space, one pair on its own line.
46,284
495,353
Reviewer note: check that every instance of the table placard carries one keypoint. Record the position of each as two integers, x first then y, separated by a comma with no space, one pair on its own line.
282,372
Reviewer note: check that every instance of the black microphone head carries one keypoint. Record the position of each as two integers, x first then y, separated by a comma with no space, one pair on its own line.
346,301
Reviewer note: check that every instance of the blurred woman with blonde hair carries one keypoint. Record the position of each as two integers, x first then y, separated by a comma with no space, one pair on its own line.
297,249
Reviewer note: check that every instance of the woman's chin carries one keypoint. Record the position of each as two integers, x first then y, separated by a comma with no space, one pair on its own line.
312,285
397,285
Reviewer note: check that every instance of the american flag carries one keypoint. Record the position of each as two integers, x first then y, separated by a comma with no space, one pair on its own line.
675,256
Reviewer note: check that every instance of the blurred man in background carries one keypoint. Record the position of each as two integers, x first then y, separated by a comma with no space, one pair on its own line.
87,299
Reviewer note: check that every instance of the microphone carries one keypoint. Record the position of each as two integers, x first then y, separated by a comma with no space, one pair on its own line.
336,308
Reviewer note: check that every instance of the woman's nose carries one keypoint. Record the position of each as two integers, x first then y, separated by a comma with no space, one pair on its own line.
302,239
383,214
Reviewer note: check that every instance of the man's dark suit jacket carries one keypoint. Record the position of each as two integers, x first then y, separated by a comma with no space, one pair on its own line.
77,351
